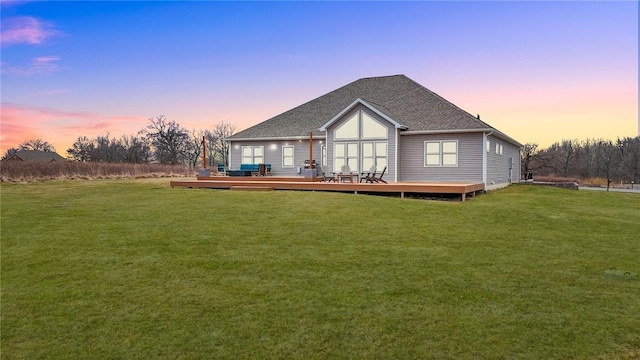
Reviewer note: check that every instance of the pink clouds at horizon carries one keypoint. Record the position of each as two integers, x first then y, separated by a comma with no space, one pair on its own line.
61,128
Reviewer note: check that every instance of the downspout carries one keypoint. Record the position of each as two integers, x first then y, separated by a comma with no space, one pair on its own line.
229,154
395,176
484,156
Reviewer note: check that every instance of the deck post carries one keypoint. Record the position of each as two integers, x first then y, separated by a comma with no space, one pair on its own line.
464,197
311,153
204,154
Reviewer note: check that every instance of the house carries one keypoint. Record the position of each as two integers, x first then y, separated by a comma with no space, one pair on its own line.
35,155
389,121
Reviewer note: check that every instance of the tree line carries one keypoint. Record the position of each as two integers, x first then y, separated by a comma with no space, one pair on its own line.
162,141
615,160
167,142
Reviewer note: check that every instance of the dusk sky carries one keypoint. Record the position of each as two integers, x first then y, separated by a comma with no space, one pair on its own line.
537,71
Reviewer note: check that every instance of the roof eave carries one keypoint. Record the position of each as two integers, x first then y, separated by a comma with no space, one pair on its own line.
507,138
489,131
276,138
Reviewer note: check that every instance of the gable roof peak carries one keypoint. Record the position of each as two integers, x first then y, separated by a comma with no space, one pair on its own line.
409,104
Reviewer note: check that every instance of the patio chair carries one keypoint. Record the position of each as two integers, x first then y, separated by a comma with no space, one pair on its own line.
345,173
326,177
378,179
222,170
365,175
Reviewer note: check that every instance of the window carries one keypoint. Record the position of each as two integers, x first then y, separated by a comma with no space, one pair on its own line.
432,154
349,129
349,149
498,149
371,129
324,155
287,156
253,154
346,153
441,153
374,153
449,153
488,145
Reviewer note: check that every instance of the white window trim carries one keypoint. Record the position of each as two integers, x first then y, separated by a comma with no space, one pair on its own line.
441,153
323,151
347,156
293,154
357,120
253,156
386,129
375,155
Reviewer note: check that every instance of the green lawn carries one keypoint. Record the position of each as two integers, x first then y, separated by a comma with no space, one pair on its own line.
135,269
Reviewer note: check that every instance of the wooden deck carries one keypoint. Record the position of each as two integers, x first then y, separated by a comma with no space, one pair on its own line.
298,183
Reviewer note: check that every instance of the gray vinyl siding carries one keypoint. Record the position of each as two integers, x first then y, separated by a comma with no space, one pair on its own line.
273,154
505,168
469,169
391,141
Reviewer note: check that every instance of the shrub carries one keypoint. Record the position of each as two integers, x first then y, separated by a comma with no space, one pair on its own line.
17,171
557,179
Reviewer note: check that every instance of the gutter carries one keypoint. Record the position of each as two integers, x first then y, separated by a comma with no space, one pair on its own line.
306,137
490,131
428,132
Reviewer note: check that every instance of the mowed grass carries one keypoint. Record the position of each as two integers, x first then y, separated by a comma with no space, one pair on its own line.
135,269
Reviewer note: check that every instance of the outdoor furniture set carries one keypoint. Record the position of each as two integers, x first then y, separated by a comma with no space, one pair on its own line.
345,174
247,170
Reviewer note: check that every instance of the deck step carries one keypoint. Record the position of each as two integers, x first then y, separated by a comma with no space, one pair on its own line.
252,188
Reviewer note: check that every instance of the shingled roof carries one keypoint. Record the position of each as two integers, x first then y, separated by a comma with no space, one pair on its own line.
36,155
408,103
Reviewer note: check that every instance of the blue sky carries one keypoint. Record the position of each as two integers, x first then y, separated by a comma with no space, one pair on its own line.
538,71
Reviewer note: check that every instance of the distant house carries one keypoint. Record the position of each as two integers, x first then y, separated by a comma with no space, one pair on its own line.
388,121
35,155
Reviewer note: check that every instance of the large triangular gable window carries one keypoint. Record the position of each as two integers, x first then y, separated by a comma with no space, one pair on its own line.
349,129
371,129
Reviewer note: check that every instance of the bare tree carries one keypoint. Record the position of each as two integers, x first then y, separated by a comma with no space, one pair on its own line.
36,144
105,149
629,158
586,158
568,151
529,154
217,146
82,149
606,158
133,149
168,139
9,153
193,147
